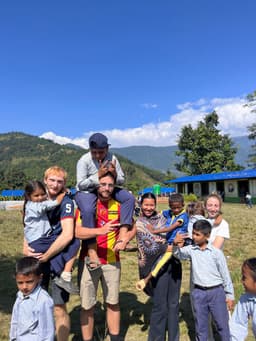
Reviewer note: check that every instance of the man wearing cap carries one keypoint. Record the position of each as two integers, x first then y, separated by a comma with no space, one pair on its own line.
90,167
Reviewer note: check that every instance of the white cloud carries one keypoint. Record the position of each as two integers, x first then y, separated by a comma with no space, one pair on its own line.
234,119
150,105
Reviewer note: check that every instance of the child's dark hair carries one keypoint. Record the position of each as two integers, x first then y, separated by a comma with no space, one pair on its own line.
195,207
30,187
148,195
176,197
109,173
251,264
27,266
202,225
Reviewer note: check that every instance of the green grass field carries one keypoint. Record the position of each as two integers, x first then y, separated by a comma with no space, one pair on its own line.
135,306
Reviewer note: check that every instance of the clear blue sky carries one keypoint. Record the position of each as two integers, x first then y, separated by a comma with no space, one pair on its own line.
74,67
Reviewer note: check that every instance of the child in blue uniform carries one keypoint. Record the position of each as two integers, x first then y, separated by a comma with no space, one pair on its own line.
176,218
245,308
212,286
32,314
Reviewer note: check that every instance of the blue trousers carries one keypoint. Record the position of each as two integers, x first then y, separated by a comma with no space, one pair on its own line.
86,202
57,263
165,310
210,301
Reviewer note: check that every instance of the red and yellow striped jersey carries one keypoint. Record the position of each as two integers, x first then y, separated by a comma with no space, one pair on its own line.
105,212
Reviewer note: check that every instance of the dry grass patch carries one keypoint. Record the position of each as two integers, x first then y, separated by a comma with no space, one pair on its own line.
135,306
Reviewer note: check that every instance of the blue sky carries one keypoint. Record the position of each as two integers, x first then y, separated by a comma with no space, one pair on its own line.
136,70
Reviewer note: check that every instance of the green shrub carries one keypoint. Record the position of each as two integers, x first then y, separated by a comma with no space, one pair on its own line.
190,197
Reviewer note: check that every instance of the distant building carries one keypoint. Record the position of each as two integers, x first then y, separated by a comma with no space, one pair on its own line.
232,186
163,191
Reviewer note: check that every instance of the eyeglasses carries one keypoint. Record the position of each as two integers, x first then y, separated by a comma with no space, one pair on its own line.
106,185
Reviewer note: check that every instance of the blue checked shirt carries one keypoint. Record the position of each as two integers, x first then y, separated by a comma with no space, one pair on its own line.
32,317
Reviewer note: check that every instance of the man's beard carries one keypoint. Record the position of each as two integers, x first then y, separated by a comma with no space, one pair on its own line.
106,195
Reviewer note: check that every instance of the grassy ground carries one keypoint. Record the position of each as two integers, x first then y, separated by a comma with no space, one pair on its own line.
135,306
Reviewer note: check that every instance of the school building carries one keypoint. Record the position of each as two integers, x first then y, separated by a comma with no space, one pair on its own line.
232,186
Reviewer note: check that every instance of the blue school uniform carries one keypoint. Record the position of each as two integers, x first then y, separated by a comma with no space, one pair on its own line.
32,317
171,219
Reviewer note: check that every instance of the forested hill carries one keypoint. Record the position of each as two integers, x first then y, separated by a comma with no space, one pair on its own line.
165,158
24,157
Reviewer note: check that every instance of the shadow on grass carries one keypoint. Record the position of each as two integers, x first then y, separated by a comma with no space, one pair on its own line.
75,323
133,312
100,327
8,286
186,315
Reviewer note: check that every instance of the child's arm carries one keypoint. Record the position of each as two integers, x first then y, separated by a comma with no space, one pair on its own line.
165,229
238,323
217,220
141,284
107,166
46,327
14,323
36,209
179,239
179,251
218,242
119,171
60,197
230,304
85,179
225,275
125,236
29,251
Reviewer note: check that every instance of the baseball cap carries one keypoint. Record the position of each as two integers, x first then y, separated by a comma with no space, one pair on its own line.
98,140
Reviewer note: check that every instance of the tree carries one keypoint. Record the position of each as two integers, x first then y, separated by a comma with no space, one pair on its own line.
204,149
251,102
15,178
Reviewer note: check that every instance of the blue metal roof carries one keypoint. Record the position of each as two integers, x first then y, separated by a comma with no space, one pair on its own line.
12,193
73,190
243,174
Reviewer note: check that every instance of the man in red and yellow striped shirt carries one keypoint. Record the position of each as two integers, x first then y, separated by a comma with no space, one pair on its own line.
108,234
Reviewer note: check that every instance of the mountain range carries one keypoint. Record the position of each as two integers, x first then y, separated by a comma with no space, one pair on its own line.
24,157
164,158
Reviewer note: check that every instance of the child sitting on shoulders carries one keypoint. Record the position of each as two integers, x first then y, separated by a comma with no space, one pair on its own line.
90,167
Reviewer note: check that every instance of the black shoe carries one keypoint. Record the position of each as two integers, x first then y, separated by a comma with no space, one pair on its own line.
130,248
66,285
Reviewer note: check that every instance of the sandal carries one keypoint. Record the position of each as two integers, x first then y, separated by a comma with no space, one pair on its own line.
130,248
91,264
